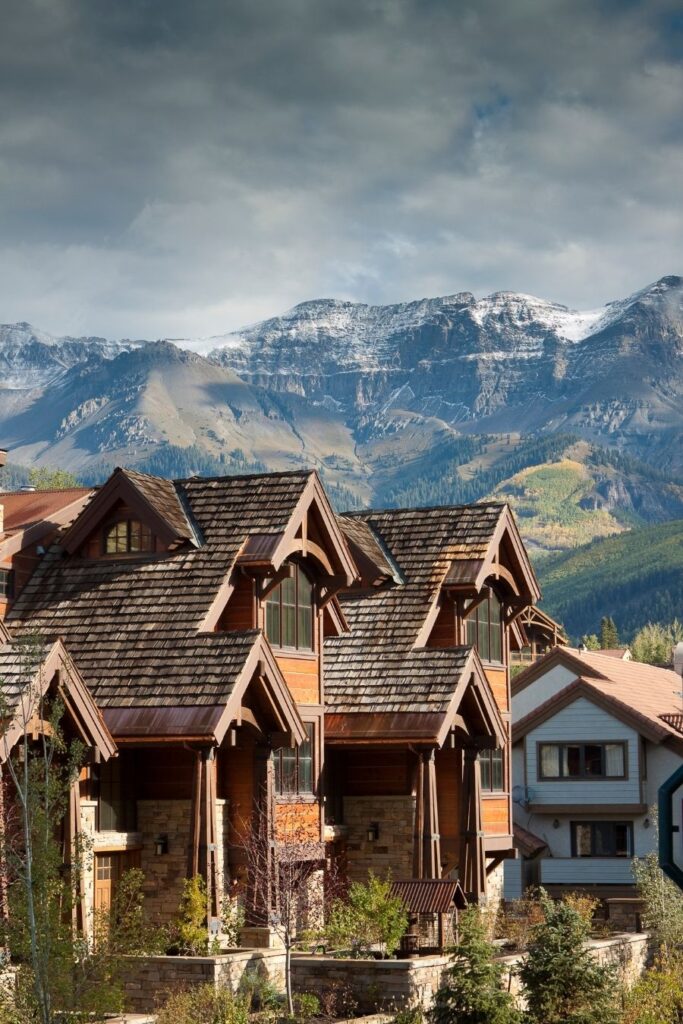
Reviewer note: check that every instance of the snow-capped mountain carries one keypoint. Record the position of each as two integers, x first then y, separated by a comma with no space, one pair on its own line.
368,394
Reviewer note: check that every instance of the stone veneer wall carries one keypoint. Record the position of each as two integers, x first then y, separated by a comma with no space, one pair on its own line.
164,875
394,849
149,980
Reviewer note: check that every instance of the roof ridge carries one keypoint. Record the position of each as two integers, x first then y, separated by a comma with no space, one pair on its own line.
354,513
240,476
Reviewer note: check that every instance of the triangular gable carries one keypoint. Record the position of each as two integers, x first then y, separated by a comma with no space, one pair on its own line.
311,532
153,499
471,574
558,656
474,701
581,688
57,670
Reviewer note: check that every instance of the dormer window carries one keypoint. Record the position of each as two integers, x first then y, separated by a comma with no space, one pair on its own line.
127,537
484,628
289,613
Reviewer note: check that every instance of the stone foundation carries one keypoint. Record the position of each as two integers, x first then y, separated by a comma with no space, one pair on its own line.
393,850
149,980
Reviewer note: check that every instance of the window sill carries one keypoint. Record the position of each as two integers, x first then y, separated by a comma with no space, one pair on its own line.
494,794
293,652
296,798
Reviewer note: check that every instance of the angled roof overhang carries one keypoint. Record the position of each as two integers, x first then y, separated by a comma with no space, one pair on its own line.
54,671
469,575
259,685
154,500
558,656
472,709
582,688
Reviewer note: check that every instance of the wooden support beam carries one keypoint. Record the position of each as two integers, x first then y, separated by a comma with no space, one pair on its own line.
203,854
471,867
431,840
269,584
418,836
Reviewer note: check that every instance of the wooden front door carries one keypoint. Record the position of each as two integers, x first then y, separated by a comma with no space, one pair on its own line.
108,870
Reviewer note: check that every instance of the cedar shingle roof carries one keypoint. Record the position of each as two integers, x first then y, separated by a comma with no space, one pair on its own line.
374,667
19,664
165,499
131,625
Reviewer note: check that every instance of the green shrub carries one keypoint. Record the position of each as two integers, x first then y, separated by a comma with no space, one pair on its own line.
663,911
472,990
306,1005
191,933
368,918
563,983
204,1004
657,997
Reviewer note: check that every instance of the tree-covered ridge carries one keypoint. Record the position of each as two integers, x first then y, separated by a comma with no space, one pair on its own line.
636,577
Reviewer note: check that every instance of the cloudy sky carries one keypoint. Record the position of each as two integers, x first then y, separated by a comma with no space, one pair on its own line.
177,168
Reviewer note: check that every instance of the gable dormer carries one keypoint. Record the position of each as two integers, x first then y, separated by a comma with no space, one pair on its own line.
483,593
133,515
284,580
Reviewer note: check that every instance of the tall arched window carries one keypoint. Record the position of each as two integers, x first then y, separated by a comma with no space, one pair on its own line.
485,629
289,612
127,537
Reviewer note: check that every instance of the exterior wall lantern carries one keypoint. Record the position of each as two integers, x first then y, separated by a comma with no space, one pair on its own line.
160,846
373,832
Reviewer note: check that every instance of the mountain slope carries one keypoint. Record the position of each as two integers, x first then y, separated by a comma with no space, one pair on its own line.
635,577
441,399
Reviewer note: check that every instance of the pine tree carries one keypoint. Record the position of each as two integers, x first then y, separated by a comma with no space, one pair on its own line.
563,983
472,991
609,636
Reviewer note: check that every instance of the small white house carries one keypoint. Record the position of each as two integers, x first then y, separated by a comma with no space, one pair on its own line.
593,737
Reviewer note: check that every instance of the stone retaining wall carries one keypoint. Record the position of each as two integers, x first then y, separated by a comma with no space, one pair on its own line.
392,984
150,979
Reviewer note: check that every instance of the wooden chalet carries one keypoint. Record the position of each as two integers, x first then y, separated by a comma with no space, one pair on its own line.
251,652
418,693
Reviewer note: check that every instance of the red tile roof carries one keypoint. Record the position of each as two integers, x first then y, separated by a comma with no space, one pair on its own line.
24,508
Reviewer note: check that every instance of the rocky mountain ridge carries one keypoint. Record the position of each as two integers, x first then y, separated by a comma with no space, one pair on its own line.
392,404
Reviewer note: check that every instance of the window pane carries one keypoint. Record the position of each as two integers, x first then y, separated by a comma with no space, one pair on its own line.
593,764
288,756
582,839
614,759
571,766
497,774
273,617
622,839
288,625
471,629
483,631
305,637
550,761
485,769
288,587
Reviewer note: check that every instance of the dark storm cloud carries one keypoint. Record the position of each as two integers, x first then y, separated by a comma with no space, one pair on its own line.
181,168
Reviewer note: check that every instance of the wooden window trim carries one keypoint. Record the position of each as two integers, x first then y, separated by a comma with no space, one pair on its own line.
491,593
307,796
285,649
504,788
581,778
128,554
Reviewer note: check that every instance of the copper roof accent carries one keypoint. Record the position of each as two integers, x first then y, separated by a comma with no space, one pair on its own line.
26,508
166,722
385,726
259,547
463,572
528,844
430,895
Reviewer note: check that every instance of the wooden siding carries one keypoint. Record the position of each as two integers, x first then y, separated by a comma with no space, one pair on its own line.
498,682
239,612
586,870
381,772
235,784
583,721
302,678
443,631
495,815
